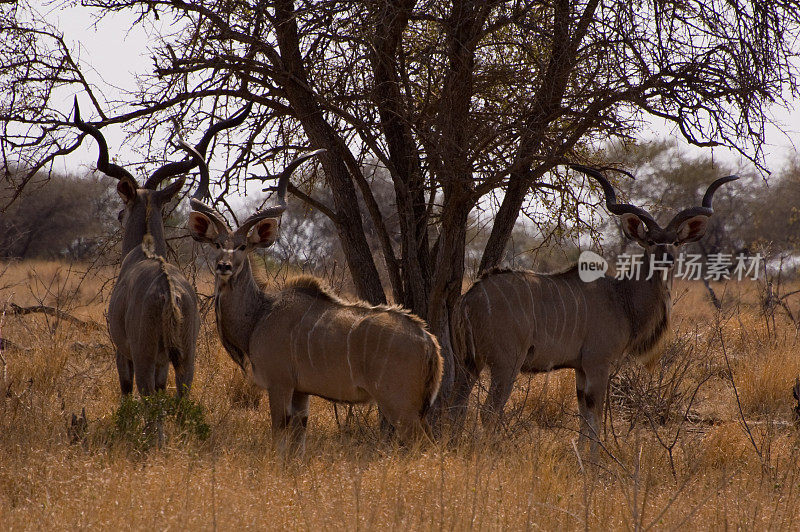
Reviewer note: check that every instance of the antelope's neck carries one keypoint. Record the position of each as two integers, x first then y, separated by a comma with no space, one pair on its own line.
146,221
649,299
240,305
648,304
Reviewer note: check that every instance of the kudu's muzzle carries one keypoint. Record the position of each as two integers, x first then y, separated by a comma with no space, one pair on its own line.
224,268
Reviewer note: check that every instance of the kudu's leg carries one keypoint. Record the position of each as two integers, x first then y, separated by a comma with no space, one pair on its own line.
591,393
298,423
410,433
502,382
183,358
162,372
385,426
425,432
411,429
280,406
583,410
465,381
184,372
125,370
404,417
144,367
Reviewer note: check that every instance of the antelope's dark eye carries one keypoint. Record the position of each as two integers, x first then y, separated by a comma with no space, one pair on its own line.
242,247
217,245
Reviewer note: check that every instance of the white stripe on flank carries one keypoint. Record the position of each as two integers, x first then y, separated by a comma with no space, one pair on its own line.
356,323
387,356
518,311
377,345
534,301
524,281
508,303
488,301
563,309
545,308
308,337
293,340
557,297
511,281
585,320
575,317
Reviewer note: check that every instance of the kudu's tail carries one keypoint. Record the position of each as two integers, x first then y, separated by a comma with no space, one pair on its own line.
434,374
461,338
172,326
172,322
172,317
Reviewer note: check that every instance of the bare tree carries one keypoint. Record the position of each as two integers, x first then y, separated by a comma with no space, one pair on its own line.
456,99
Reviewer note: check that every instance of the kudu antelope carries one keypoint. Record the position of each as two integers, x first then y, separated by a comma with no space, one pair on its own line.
514,321
152,313
303,340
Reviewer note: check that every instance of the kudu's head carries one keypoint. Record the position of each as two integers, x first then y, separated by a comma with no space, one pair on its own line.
689,225
260,230
142,212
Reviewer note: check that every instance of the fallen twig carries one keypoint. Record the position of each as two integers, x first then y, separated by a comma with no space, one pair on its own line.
5,343
52,311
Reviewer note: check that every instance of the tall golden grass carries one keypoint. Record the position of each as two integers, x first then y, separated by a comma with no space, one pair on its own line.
705,440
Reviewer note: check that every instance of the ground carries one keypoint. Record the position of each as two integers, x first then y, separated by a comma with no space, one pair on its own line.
705,439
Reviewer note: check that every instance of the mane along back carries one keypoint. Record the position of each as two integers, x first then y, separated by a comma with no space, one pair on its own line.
317,288
491,272
498,270
313,287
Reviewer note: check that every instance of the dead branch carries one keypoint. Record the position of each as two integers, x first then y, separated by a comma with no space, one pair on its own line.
54,312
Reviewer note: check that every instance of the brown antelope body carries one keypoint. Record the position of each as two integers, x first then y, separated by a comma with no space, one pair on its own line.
303,340
513,321
152,312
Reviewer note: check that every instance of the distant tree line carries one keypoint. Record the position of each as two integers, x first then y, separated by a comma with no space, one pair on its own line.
74,216
58,216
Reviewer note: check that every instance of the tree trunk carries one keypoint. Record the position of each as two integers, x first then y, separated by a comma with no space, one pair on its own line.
503,223
391,19
463,27
546,107
322,135
445,291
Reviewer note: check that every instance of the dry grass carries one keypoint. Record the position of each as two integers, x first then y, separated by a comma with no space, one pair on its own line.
723,467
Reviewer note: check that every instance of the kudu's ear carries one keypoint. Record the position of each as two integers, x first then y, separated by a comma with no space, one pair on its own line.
692,230
264,233
126,188
634,227
166,193
201,228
